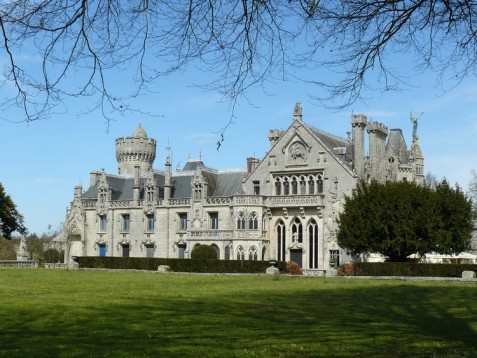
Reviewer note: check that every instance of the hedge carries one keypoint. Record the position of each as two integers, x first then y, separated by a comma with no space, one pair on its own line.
178,265
411,269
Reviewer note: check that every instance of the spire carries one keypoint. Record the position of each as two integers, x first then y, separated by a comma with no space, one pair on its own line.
297,113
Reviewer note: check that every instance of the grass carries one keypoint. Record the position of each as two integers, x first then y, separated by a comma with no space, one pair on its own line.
48,313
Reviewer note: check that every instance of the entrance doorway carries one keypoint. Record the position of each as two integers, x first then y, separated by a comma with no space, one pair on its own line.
297,256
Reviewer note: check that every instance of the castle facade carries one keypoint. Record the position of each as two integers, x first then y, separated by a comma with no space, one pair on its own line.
282,207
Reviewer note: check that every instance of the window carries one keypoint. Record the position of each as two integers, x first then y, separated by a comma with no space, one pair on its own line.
253,221
278,187
313,245
256,188
102,223
125,250
302,186
334,258
214,221
126,222
311,185
227,252
253,254
294,184
240,221
281,241
286,187
197,191
183,221
240,253
149,250
297,231
150,222
102,197
320,184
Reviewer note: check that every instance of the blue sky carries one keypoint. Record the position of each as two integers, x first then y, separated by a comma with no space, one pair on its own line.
44,160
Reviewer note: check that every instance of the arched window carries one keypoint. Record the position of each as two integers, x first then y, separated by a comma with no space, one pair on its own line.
253,221
198,191
240,253
217,250
313,244
294,185
264,253
319,183
278,186
240,221
286,186
302,185
227,252
311,185
297,231
253,254
281,241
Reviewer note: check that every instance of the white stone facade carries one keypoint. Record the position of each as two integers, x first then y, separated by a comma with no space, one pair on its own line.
281,207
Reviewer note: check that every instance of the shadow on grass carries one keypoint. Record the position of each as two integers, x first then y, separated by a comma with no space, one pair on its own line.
356,320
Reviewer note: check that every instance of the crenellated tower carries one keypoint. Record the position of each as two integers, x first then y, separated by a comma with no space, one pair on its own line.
358,122
378,133
137,150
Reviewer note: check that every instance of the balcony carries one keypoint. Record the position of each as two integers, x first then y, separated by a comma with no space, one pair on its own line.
294,200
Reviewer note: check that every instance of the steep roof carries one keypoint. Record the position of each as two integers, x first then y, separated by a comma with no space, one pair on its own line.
341,147
396,146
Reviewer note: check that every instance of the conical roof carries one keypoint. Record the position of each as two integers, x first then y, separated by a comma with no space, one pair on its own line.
140,133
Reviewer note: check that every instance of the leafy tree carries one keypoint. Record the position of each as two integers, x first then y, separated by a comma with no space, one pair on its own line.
241,43
10,219
8,249
400,218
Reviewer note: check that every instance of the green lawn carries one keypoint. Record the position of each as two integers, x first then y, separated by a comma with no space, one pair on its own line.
48,313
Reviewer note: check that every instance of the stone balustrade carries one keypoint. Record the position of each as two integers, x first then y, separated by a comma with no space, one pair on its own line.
51,265
18,264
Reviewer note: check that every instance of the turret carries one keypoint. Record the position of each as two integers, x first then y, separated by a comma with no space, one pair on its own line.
167,179
358,122
377,150
135,150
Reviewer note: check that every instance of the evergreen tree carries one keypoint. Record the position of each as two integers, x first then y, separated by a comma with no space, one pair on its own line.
400,219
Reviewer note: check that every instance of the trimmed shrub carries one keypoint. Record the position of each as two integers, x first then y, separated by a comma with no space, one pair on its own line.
294,269
410,269
178,265
203,252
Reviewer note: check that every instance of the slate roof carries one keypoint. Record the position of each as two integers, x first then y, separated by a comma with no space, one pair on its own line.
333,143
396,146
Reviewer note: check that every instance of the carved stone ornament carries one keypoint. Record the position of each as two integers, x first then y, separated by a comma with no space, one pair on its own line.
297,152
330,234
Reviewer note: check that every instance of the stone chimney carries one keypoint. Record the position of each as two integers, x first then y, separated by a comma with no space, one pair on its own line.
377,150
252,164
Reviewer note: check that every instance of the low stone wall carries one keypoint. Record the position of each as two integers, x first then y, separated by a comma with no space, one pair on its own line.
18,264
318,273
56,266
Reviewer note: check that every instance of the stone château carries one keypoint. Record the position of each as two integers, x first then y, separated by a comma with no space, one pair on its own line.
284,206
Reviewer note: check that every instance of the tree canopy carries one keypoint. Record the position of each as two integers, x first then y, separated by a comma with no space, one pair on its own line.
241,43
400,218
10,219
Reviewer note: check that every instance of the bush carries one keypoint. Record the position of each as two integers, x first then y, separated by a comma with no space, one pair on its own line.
294,269
203,252
178,265
410,269
346,270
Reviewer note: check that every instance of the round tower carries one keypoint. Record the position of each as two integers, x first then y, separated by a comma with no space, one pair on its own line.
135,150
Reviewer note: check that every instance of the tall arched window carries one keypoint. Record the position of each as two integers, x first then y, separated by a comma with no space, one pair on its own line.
286,186
302,185
297,231
313,244
294,185
253,253
240,253
240,221
253,221
311,185
281,241
227,252
319,184
278,186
